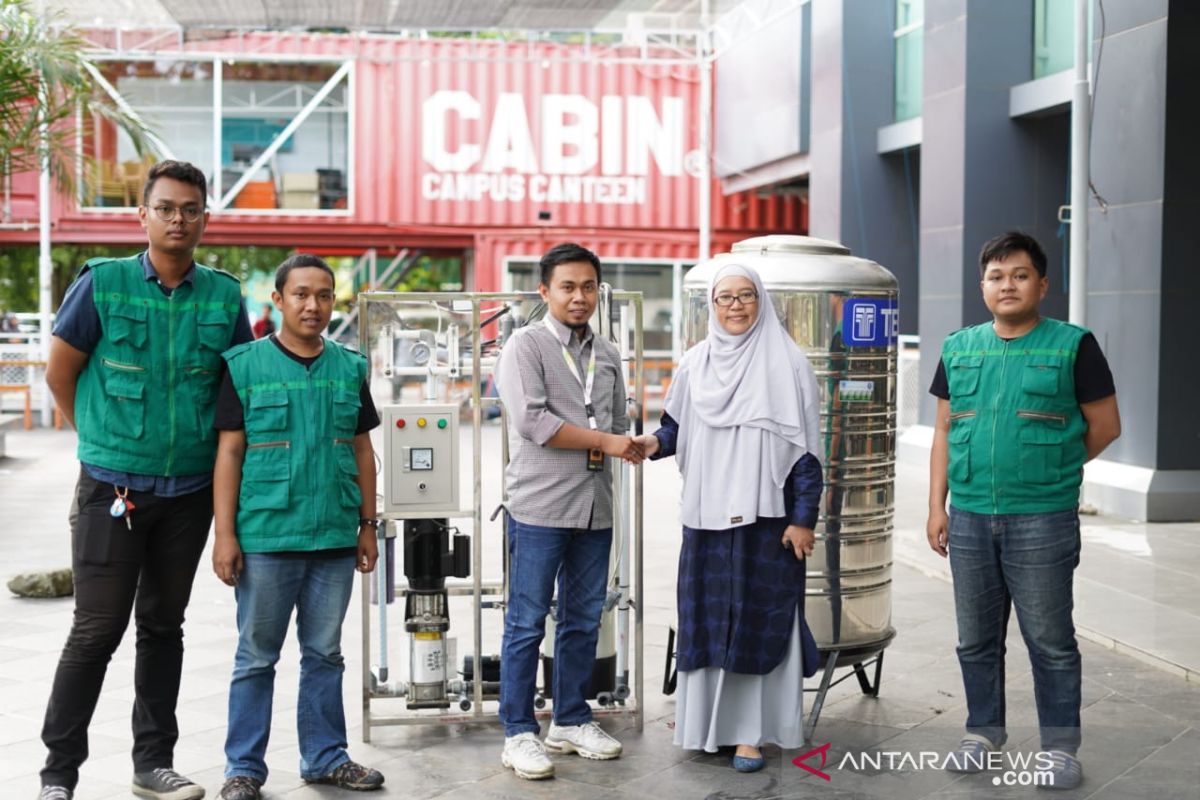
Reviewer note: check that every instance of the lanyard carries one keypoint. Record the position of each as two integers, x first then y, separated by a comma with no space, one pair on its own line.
591,376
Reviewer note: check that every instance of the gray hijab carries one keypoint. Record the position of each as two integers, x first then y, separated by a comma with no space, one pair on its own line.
747,410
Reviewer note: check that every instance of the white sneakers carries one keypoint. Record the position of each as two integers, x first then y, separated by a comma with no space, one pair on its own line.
588,740
525,755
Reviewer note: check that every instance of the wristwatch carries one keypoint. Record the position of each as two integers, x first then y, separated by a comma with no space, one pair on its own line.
374,523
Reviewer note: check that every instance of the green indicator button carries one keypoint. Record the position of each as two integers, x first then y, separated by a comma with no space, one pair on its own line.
441,423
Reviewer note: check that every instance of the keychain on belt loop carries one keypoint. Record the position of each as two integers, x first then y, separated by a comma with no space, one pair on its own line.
122,506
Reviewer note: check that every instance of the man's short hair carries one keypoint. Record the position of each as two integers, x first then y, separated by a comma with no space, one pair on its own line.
181,171
565,254
300,261
1004,245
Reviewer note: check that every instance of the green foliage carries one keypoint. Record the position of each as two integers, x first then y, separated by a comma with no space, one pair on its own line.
44,80
243,261
428,274
19,267
19,272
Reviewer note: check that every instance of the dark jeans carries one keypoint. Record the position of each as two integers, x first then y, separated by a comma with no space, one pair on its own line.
268,590
578,559
148,570
1027,561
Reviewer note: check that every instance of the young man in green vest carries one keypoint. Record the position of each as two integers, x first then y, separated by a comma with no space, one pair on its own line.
294,500
1023,402
133,366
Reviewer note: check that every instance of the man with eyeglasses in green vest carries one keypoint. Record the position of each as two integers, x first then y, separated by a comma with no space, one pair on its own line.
1023,402
134,363
294,494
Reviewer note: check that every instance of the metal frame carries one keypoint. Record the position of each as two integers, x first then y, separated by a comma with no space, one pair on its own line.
666,46
632,530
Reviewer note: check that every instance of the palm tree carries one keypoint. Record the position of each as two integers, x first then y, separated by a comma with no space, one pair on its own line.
44,81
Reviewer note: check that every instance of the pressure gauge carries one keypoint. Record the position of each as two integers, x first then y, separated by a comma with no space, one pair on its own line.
420,459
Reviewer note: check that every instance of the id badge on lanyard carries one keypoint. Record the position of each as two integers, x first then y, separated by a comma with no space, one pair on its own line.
595,456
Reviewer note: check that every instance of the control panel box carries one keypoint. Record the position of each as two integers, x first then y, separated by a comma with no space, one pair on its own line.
420,460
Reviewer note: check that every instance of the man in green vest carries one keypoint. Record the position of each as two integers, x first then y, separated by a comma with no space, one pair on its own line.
1023,402
133,366
294,500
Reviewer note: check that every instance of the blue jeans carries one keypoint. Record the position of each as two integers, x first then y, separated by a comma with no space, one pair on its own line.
1026,560
268,589
579,559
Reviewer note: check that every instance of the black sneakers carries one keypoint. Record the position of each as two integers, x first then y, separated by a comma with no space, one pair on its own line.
241,787
352,776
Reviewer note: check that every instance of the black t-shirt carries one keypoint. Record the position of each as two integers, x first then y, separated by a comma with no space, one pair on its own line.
1093,378
230,416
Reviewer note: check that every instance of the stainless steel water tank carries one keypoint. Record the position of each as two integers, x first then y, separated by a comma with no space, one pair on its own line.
842,311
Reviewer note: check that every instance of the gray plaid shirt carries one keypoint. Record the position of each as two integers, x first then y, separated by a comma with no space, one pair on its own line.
548,486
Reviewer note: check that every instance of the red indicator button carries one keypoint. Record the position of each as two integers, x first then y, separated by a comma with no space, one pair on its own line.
400,423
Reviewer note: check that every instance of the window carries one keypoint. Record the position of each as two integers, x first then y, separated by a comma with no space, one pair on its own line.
308,170
271,137
1054,36
910,45
174,98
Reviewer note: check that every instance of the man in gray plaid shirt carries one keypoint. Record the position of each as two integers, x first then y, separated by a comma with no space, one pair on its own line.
564,392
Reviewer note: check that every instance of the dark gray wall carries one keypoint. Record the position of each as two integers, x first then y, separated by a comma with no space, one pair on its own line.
1049,177
1179,389
858,197
979,169
1133,250
897,243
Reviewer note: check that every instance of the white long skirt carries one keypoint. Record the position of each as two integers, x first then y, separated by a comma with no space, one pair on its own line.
715,708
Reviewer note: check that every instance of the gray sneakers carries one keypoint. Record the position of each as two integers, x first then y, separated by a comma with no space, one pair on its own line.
55,793
165,783
971,757
1065,771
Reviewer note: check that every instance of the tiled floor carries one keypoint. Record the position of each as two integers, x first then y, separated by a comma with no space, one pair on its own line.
1137,591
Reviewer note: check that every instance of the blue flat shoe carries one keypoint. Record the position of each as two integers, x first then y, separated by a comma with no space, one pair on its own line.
745,764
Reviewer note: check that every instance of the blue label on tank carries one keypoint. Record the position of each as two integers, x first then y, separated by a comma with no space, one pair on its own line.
870,322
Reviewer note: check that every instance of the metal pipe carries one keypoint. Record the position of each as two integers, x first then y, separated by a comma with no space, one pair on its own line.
381,589
477,488
218,88
622,513
45,265
1080,170
365,608
638,562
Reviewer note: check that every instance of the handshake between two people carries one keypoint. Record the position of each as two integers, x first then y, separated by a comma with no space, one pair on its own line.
632,449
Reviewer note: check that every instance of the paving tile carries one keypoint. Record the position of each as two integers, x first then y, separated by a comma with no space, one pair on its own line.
1140,722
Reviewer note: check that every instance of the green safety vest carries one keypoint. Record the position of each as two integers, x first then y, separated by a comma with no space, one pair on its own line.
145,400
1016,431
299,490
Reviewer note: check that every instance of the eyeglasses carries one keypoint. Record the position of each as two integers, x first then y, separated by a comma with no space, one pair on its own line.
168,213
746,298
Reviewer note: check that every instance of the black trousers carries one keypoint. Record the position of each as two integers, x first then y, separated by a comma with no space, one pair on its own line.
147,570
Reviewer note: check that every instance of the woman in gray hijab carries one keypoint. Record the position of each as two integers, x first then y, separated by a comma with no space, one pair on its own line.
741,420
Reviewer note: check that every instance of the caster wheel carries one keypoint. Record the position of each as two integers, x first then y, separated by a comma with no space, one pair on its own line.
621,693
465,705
539,702
605,699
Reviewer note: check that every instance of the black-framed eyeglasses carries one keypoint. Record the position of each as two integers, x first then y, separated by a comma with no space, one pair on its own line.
746,298
168,213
